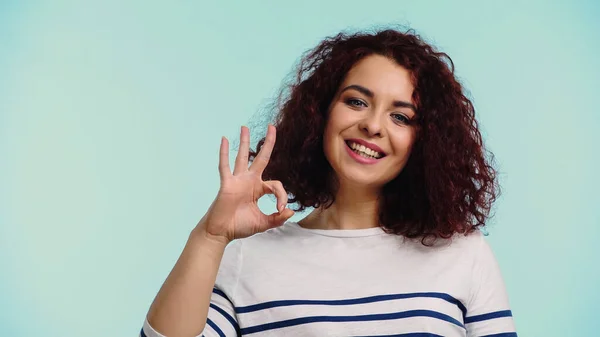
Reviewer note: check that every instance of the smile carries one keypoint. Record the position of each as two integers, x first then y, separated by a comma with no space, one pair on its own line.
363,154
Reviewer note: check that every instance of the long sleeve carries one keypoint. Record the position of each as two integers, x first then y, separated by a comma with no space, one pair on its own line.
488,311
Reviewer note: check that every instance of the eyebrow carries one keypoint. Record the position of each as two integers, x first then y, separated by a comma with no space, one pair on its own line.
370,94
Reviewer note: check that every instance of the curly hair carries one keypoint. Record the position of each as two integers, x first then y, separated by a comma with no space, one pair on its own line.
448,184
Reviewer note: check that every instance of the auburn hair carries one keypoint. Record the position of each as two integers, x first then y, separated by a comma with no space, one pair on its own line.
448,184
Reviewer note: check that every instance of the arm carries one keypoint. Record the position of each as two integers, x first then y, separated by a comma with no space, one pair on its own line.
182,304
186,303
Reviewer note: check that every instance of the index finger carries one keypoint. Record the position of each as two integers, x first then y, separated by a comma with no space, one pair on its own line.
224,169
262,159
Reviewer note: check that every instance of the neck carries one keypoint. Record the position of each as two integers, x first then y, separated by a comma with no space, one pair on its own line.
354,208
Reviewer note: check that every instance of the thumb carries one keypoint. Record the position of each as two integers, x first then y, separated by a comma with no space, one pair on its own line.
279,218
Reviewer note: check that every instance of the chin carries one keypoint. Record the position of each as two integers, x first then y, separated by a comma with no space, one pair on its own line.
361,180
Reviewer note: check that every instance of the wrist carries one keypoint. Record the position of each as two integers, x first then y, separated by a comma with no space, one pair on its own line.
199,233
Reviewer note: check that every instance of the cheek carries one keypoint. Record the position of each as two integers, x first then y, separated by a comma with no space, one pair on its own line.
402,146
335,124
328,135
337,117
328,140
402,143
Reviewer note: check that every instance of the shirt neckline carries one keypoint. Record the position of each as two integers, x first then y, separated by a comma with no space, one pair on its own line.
341,233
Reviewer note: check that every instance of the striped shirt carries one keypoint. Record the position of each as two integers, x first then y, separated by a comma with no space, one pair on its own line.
292,281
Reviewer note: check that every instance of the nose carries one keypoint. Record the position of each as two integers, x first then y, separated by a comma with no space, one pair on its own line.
371,124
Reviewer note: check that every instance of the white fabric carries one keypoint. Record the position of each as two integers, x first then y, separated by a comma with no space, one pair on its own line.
357,283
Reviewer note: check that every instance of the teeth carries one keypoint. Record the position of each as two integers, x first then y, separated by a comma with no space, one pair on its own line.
364,150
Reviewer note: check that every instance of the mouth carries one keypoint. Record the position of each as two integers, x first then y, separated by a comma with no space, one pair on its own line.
366,151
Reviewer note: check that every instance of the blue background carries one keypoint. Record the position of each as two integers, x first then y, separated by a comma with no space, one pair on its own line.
111,114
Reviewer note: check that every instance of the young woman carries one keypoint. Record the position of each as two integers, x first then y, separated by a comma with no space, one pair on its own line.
377,135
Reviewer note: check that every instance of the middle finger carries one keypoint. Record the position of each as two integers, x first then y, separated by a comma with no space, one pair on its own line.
241,160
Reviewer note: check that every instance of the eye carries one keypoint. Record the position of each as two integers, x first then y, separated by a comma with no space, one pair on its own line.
355,102
400,118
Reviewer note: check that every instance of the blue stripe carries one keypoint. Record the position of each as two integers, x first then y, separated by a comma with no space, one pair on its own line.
411,334
370,299
215,327
219,292
227,316
360,318
485,317
504,334
142,333
231,320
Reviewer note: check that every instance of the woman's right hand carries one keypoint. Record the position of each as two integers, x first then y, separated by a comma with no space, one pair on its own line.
234,214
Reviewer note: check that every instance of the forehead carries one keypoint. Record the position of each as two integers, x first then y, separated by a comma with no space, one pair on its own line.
383,76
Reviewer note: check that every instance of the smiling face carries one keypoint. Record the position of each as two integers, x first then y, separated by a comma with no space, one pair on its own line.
371,124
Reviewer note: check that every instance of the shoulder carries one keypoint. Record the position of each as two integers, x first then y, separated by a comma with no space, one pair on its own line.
469,240
458,244
274,238
474,247
255,252
477,246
